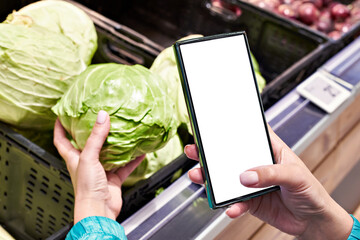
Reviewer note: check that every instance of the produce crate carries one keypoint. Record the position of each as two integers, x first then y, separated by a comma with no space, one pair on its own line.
36,194
284,50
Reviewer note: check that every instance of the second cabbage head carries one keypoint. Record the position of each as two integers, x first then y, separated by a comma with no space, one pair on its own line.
141,112
43,47
36,67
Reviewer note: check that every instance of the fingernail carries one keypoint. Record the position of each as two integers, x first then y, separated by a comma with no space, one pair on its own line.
249,178
227,210
186,148
101,117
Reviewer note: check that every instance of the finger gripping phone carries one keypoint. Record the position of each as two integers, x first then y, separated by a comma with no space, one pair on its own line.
225,112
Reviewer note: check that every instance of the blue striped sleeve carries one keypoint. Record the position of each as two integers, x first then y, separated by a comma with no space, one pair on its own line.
96,227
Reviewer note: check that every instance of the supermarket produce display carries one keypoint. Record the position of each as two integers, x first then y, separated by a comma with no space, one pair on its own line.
39,180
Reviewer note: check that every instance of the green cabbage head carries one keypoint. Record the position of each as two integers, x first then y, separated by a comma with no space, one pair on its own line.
42,47
165,66
65,18
140,110
36,67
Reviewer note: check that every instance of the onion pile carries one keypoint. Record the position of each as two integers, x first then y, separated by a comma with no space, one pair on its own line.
327,16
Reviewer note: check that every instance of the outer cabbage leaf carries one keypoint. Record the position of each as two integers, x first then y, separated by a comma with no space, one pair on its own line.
36,67
165,66
67,19
259,78
141,113
255,63
260,81
155,161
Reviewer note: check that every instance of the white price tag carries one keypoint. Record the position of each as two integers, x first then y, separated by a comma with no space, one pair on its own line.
323,92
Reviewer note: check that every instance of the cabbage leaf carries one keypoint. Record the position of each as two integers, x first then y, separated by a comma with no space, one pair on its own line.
65,18
156,160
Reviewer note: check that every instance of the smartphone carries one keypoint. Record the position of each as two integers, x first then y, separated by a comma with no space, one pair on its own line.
226,114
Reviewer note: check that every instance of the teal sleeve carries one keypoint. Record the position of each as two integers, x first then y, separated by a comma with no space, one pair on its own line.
355,231
96,228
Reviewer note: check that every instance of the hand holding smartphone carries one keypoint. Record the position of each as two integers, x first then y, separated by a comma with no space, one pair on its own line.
225,112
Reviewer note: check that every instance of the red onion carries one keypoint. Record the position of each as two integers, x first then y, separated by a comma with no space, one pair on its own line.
308,13
318,3
339,11
295,6
288,1
326,2
342,26
287,11
324,23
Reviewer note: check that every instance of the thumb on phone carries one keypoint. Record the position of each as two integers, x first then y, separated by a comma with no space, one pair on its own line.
289,176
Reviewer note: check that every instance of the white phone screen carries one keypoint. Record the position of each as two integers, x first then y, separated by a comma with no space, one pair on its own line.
228,112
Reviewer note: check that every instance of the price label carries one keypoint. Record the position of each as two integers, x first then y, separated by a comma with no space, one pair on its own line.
323,92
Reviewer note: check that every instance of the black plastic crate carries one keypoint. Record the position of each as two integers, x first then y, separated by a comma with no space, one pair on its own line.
277,44
36,194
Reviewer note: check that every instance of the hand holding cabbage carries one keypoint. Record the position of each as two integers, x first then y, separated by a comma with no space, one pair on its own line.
141,112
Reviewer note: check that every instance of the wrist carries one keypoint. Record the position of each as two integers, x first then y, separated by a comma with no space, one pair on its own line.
86,207
333,223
